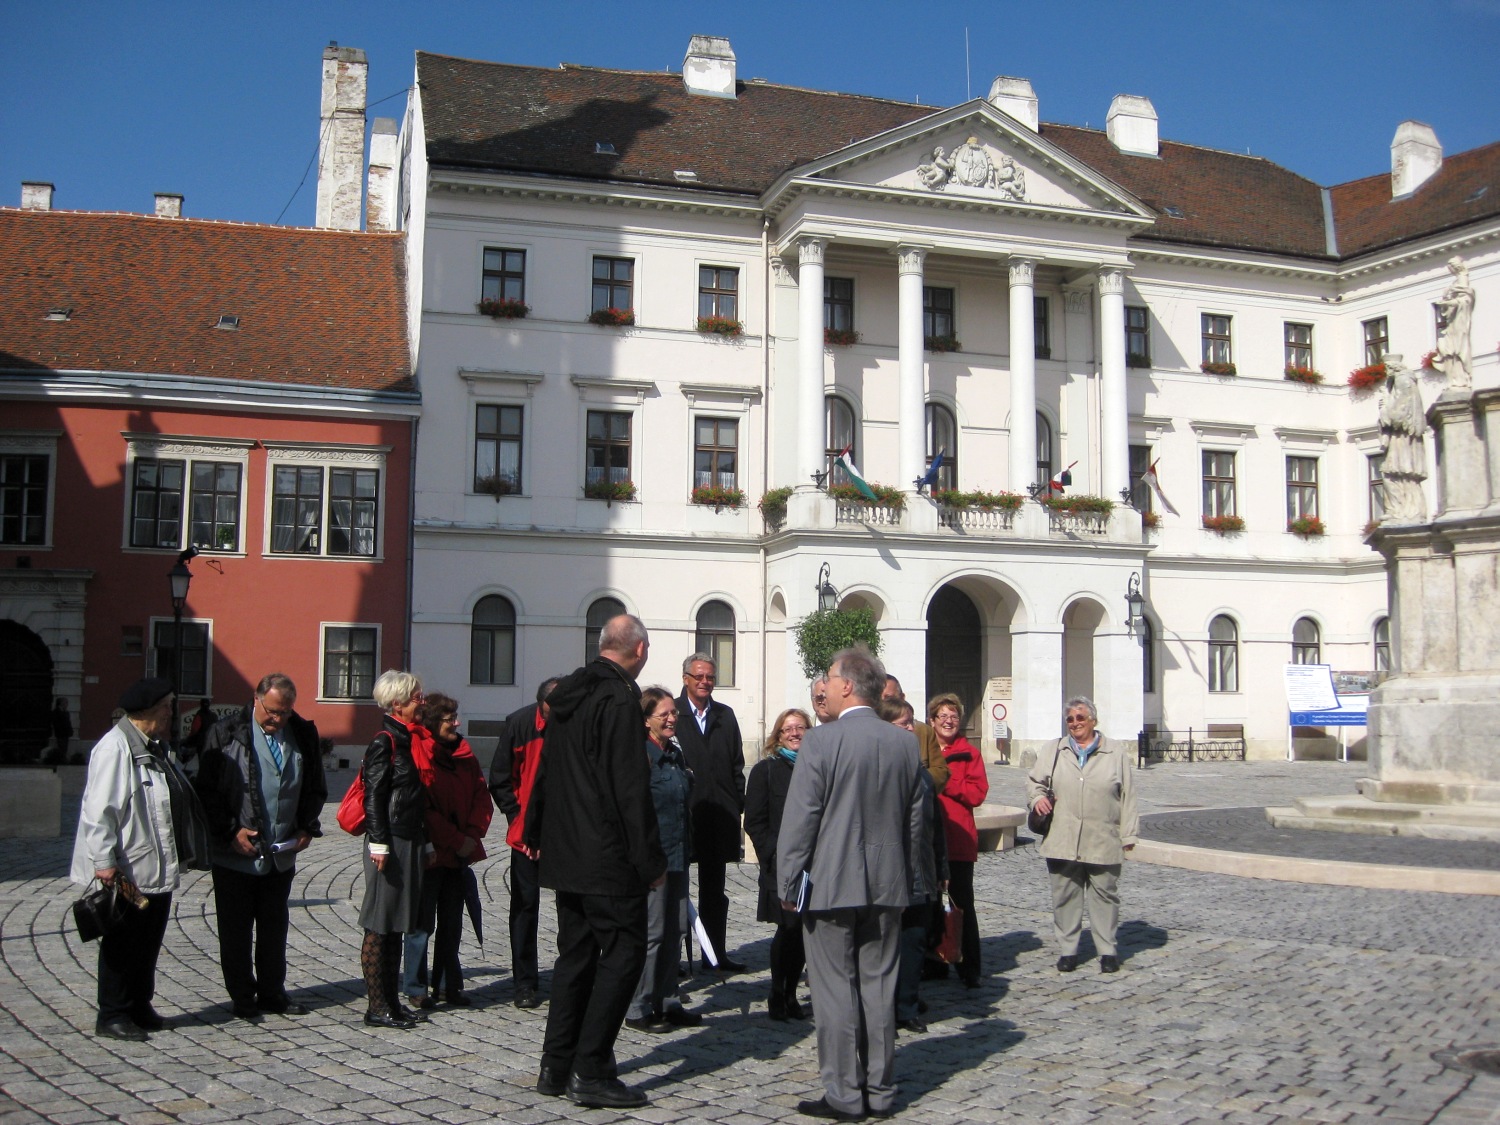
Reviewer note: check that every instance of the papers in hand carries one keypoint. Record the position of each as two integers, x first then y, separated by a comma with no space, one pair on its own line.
705,946
804,891
284,846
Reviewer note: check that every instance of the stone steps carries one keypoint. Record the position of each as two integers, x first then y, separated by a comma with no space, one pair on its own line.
1362,816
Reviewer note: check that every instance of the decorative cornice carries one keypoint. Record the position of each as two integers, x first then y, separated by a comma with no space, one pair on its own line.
195,390
18,441
373,455
1236,433
1151,426
634,390
445,181
1076,299
1365,438
779,273
479,378
176,445
744,392
938,201
1305,436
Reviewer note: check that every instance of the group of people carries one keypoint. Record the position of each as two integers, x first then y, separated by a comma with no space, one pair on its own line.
862,819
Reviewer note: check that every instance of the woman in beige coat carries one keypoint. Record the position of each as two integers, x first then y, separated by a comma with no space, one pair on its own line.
1087,785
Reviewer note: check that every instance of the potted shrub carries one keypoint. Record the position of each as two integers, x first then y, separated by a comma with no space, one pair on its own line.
504,308
718,326
1306,527
773,504
1136,359
826,631
1150,520
609,490
612,317
496,486
885,496
1367,377
840,337
1217,369
716,496
948,343
984,501
1077,505
1298,374
1224,525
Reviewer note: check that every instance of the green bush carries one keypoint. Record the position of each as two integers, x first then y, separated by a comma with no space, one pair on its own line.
826,631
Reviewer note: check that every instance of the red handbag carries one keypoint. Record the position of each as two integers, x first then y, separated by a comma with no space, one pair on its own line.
950,949
351,815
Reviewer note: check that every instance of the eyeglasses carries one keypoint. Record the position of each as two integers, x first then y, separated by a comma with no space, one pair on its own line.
272,713
820,699
709,676
1077,719
785,731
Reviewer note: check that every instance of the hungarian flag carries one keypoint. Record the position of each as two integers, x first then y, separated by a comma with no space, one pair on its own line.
1154,483
855,478
1063,480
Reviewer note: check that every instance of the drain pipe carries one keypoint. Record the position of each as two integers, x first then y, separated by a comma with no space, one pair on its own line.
765,451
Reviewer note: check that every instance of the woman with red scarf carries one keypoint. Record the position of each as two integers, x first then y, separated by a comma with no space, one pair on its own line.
458,816
967,787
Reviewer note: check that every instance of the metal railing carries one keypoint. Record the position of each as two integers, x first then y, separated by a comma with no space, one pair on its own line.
1189,746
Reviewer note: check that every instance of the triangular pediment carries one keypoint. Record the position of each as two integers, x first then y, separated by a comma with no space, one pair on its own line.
974,153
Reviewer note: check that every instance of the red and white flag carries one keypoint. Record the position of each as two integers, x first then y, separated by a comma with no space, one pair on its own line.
1063,480
1154,482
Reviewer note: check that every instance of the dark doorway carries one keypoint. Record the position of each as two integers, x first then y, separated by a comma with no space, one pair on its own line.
954,650
25,693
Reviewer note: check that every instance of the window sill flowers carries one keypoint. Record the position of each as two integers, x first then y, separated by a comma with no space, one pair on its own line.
947,343
773,504
1223,525
610,490
984,501
1078,505
1297,374
719,326
1218,369
613,318
1367,377
885,495
840,337
717,496
1306,527
504,308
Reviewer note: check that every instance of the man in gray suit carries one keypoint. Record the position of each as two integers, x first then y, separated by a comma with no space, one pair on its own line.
853,825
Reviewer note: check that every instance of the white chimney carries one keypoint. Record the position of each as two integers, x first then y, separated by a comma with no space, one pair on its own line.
1131,125
708,67
341,144
1416,157
168,206
380,190
1014,96
36,196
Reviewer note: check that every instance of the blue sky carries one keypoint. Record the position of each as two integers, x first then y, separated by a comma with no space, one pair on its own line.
218,100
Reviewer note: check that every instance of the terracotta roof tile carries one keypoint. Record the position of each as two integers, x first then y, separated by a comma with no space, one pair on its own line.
1368,218
316,307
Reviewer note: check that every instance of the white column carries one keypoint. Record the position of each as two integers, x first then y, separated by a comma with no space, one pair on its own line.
911,362
1022,374
810,424
1114,433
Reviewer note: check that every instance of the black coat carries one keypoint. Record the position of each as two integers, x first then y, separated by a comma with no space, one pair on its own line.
395,798
228,780
591,812
717,758
765,798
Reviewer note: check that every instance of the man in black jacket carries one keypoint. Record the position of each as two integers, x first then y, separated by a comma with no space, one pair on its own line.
592,826
710,738
260,777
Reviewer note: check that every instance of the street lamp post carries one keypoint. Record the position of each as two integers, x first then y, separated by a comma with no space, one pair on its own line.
179,578
1135,604
828,597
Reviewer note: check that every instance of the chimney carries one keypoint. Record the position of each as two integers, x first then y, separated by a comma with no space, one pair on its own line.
341,144
1416,156
168,206
1131,125
36,196
380,192
708,68
1015,98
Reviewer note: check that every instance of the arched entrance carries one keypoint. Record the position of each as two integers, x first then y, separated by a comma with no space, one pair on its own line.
1081,626
955,650
25,693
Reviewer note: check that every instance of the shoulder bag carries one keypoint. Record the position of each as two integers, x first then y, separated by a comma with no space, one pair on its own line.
351,814
1036,823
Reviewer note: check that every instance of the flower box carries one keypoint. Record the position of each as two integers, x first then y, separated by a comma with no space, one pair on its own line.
885,496
773,504
1297,374
1135,359
717,496
947,343
609,490
984,501
613,318
1077,505
1367,377
717,326
840,337
1150,520
1223,525
1218,369
504,308
496,486
1306,527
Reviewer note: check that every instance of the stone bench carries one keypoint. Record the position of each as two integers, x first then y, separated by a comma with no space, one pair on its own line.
30,802
997,826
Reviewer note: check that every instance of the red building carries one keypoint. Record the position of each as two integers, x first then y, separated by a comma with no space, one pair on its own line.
168,383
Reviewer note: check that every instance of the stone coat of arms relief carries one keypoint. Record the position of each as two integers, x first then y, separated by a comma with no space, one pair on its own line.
970,166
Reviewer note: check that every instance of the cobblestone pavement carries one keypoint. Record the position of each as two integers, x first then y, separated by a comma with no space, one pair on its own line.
1240,1001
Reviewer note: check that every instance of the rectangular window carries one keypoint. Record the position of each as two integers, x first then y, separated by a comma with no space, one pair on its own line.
296,510
607,456
1137,336
1298,341
307,521
838,304
504,275
215,505
1218,483
1041,327
1301,488
497,449
23,499
349,660
1375,463
351,511
937,311
715,452
614,284
719,292
1140,491
1216,339
195,653
1377,340
156,503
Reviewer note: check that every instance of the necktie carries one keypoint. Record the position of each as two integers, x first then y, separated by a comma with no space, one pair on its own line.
275,745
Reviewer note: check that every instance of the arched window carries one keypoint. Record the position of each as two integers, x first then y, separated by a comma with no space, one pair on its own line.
1383,645
1148,655
838,418
1044,462
598,616
716,637
1306,644
942,433
1223,654
492,641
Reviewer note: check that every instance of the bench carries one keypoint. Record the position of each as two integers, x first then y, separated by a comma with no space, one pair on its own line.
997,826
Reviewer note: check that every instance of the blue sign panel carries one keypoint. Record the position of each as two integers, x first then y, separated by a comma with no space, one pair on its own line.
1350,718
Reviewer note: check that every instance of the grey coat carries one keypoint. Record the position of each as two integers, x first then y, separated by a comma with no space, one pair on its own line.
854,815
1094,815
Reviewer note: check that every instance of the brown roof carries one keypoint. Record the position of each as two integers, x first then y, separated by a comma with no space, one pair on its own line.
316,307
533,120
1465,189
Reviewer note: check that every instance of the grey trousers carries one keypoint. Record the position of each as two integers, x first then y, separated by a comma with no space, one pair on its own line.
659,976
852,958
1079,886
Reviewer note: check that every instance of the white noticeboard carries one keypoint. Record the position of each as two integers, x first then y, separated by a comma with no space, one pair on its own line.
1309,687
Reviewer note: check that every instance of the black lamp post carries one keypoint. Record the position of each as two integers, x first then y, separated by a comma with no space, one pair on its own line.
180,578
828,597
1134,603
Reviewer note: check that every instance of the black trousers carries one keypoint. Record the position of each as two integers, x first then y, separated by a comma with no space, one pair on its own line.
444,888
961,888
713,904
601,949
525,912
253,912
127,960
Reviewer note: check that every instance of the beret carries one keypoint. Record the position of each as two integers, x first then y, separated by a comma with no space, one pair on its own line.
145,694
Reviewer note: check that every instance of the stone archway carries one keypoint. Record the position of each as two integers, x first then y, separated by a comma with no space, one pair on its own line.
25,693
955,649
1082,626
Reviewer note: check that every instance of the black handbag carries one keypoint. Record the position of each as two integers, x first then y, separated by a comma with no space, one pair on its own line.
103,909
1036,823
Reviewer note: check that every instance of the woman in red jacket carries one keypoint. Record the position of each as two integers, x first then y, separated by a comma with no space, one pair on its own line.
967,787
458,816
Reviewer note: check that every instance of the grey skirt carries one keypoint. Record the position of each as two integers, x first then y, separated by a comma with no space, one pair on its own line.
393,897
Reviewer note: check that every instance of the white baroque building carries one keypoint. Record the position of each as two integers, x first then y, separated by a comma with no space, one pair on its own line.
1025,297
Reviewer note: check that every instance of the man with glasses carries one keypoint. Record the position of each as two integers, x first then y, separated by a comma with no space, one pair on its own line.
709,735
818,691
261,781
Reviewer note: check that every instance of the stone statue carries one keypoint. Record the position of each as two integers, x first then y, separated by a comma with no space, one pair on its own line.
1010,180
1403,429
934,176
1455,316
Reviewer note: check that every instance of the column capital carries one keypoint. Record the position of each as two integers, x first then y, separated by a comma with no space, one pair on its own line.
810,249
1022,270
909,258
1077,298
1111,281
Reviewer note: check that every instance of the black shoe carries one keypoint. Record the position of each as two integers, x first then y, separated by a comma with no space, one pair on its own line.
119,1028
970,982
821,1108
776,1007
388,1019
549,1082
678,1016
1067,963
423,1001
147,1019
921,1007
458,1000
1109,963
795,1010
527,998
603,1093
726,965
246,1012
653,1025
284,1007
916,1026
409,1015
882,1114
